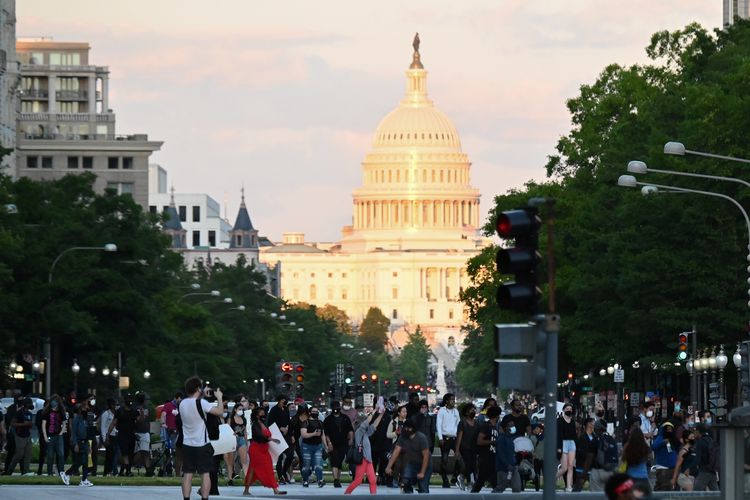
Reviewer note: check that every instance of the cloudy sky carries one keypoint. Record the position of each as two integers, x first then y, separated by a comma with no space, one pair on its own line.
283,97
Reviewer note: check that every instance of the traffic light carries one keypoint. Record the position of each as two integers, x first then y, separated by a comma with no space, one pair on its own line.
521,294
349,376
283,372
299,378
682,347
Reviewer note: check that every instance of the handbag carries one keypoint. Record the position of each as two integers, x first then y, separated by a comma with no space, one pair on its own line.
354,454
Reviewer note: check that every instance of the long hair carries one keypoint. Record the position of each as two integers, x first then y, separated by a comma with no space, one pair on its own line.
48,408
636,450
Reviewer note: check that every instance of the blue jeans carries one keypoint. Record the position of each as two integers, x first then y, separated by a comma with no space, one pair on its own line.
55,450
411,469
81,459
312,458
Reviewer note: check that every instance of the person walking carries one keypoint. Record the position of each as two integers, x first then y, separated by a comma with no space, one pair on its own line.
197,453
53,419
417,461
380,443
124,422
466,447
505,460
79,443
448,419
362,438
566,445
635,454
707,460
21,424
109,438
279,415
684,469
665,447
521,422
261,466
537,439
311,433
339,434
238,424
587,448
486,450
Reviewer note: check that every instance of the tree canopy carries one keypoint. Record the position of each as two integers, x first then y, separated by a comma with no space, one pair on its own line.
373,332
632,271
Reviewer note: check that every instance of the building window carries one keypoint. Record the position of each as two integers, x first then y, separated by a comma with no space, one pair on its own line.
127,162
46,162
165,208
451,341
394,292
330,275
196,213
450,314
313,292
432,313
32,162
212,238
330,293
152,209
343,275
395,274
121,187
113,162
395,314
72,162
196,238
88,162
295,275
183,213
238,240
344,295
312,275
295,294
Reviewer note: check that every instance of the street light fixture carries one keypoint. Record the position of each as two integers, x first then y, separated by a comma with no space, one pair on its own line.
146,374
639,167
610,369
105,371
75,367
115,373
12,366
109,247
602,372
92,370
678,149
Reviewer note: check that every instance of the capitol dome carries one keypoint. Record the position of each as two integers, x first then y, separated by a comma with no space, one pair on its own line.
416,122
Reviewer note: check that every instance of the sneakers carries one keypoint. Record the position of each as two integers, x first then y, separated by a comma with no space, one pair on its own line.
65,478
568,490
461,484
305,484
86,482
336,483
321,483
446,484
230,482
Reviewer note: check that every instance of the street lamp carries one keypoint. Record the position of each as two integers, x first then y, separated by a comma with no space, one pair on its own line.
678,149
610,369
737,360
92,370
602,372
108,247
12,366
105,371
721,363
146,374
639,167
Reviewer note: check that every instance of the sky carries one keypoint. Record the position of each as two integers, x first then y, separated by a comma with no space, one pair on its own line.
283,97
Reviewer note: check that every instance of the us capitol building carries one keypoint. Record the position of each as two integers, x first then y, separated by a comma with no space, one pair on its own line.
414,226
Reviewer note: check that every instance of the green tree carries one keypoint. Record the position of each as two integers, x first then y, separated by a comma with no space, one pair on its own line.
332,313
633,271
412,362
373,332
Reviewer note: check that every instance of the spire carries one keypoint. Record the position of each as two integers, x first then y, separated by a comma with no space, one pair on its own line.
243,223
416,62
242,203
171,199
173,223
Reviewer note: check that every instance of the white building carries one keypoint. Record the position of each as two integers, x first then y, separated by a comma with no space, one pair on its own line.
415,224
200,215
735,8
9,83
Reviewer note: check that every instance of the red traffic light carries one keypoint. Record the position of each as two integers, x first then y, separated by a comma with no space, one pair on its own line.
374,377
683,338
287,367
402,382
570,375
513,223
299,368
363,377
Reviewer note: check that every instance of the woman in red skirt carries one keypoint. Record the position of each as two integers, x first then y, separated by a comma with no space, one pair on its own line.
261,467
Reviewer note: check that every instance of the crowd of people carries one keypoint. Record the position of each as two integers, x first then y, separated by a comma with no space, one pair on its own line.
392,445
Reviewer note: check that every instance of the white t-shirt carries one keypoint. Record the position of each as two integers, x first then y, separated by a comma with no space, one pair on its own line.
193,426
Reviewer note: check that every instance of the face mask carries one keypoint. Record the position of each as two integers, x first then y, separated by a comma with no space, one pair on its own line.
708,421
92,402
314,415
649,414
423,410
240,412
472,414
53,405
568,413
600,414
347,407
512,430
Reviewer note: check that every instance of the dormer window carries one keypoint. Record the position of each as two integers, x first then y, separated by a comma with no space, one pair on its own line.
238,240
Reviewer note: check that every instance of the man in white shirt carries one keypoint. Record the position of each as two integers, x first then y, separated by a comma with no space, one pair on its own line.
112,455
447,428
648,426
197,452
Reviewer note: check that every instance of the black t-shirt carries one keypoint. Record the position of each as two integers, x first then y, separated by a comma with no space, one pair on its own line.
142,426
521,423
278,416
337,428
125,421
412,447
490,431
312,425
21,417
469,436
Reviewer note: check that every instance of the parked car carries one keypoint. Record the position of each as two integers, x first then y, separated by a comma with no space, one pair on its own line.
538,416
6,402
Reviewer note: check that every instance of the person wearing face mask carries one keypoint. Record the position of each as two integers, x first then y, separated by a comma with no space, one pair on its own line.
365,430
238,422
647,416
124,422
706,459
348,409
109,438
53,418
586,449
338,436
566,445
486,449
505,460
417,461
466,447
521,422
168,420
447,430
665,448
426,424
295,425
684,472
279,415
311,432
22,423
261,466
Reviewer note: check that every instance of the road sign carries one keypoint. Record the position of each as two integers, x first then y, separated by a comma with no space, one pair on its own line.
368,399
635,398
619,376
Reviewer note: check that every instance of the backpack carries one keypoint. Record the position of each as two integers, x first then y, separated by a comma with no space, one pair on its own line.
212,422
606,453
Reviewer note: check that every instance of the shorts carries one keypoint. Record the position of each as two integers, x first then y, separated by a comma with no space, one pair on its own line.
197,459
569,446
241,442
336,457
142,442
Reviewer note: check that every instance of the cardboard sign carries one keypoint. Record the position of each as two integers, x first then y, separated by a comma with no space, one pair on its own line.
276,449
